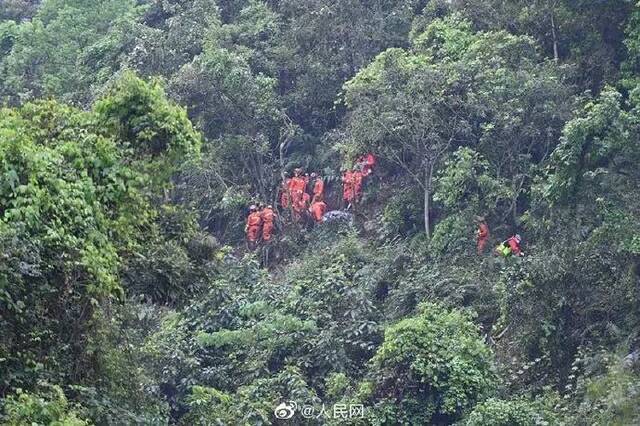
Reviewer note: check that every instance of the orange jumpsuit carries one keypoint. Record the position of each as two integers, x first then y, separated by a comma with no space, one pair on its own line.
318,188
254,223
297,186
317,210
268,217
483,236
368,161
347,186
515,246
284,194
357,178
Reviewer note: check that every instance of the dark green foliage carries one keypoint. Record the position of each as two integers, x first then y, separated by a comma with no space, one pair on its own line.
127,295
74,200
48,55
429,368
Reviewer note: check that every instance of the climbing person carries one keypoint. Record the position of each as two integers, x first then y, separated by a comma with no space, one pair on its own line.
511,247
357,177
253,227
367,162
268,217
318,185
482,234
318,209
347,187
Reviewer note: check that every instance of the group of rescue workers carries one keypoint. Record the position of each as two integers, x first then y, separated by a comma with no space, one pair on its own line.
260,224
303,195
507,248
352,180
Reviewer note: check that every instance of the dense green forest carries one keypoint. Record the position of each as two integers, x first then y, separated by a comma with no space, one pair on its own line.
135,134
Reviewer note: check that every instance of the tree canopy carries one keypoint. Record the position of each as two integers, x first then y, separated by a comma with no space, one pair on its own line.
483,270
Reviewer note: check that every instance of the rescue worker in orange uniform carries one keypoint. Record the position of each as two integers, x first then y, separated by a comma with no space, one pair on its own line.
268,217
318,185
347,187
367,162
318,209
510,247
300,207
514,245
482,234
297,186
285,196
357,177
253,227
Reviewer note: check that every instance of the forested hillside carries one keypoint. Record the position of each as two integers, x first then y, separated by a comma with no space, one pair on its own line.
471,257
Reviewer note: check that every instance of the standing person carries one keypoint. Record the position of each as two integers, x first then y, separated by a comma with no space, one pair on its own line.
253,227
300,207
357,177
347,187
318,209
482,234
318,185
268,217
297,187
299,196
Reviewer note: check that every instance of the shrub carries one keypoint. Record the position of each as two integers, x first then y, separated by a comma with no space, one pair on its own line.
518,412
430,368
47,408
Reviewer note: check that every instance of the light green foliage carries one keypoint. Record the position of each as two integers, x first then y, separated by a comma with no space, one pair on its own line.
124,277
466,187
77,204
60,178
251,404
492,92
170,34
594,170
250,332
49,408
441,363
256,34
589,44
519,412
46,58
157,130
444,40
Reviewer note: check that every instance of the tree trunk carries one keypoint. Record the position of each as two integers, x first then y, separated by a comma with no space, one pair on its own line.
555,38
428,178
